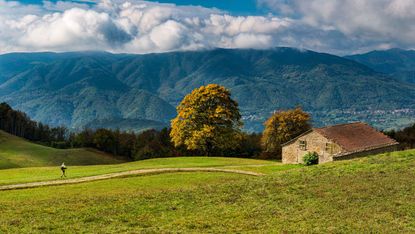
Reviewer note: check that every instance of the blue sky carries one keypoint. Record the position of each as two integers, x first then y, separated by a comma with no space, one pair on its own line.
239,7
133,26
244,7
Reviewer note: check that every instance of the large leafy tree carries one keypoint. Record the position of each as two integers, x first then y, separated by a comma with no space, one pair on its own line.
208,121
283,126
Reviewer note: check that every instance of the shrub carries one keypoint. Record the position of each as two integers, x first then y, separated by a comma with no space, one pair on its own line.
60,144
310,158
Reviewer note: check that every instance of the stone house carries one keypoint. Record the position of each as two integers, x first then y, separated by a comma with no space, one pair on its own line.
338,142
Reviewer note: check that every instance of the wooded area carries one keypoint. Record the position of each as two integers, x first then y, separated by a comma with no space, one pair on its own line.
143,145
19,124
135,146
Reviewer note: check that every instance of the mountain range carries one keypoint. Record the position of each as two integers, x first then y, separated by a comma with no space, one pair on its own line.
397,63
135,92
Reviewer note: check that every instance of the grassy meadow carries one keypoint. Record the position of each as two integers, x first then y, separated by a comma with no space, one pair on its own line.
372,194
16,152
34,174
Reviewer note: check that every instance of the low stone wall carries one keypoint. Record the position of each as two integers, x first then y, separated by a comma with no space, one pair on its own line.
366,153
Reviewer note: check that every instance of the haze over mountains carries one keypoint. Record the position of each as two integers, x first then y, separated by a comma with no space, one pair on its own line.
135,92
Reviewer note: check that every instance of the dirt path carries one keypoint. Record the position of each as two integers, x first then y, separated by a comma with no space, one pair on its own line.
123,174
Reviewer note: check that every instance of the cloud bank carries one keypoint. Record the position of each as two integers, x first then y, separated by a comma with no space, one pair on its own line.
131,26
356,24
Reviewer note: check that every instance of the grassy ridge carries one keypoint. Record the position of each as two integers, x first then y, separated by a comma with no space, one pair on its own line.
16,152
372,194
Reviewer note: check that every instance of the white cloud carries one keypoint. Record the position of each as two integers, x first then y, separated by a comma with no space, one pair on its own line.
134,26
76,28
168,35
131,26
249,40
365,24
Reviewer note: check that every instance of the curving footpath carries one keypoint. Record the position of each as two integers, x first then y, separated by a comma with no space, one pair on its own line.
123,174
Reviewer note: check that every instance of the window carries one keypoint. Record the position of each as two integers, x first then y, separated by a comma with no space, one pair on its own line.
303,145
329,148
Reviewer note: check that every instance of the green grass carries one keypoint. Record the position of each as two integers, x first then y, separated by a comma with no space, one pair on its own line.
16,152
366,195
22,175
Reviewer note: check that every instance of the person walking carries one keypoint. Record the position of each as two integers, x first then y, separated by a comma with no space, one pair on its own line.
63,169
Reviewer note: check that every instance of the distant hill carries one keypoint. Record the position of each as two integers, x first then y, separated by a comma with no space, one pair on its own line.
398,63
16,152
77,89
74,89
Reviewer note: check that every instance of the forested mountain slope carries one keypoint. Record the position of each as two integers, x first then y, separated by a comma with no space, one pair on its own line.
75,89
398,63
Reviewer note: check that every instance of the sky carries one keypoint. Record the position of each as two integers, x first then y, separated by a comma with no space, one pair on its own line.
240,7
135,26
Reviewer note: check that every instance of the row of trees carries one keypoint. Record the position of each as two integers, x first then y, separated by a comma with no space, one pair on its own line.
19,124
148,144
208,123
406,136
135,146
153,144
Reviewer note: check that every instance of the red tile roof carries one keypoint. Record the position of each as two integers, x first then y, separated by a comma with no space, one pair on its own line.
354,137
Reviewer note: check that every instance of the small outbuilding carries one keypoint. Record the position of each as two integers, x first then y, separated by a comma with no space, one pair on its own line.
338,142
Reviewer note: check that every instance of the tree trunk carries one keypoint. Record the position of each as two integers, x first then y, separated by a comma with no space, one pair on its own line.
209,148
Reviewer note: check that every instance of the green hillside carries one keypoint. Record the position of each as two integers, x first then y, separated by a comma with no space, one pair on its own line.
16,152
365,195
398,63
74,89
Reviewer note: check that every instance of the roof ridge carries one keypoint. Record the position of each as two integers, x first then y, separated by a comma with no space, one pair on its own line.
327,132
343,124
295,138
351,136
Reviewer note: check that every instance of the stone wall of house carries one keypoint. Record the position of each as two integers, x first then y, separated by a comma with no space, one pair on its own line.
292,153
367,152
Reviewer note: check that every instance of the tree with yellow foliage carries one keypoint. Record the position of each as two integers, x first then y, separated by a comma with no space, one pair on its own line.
283,126
208,121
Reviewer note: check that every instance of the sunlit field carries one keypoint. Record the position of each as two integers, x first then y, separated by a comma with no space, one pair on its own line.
371,194
16,152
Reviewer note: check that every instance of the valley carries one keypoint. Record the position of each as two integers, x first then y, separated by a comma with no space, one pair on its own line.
207,116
